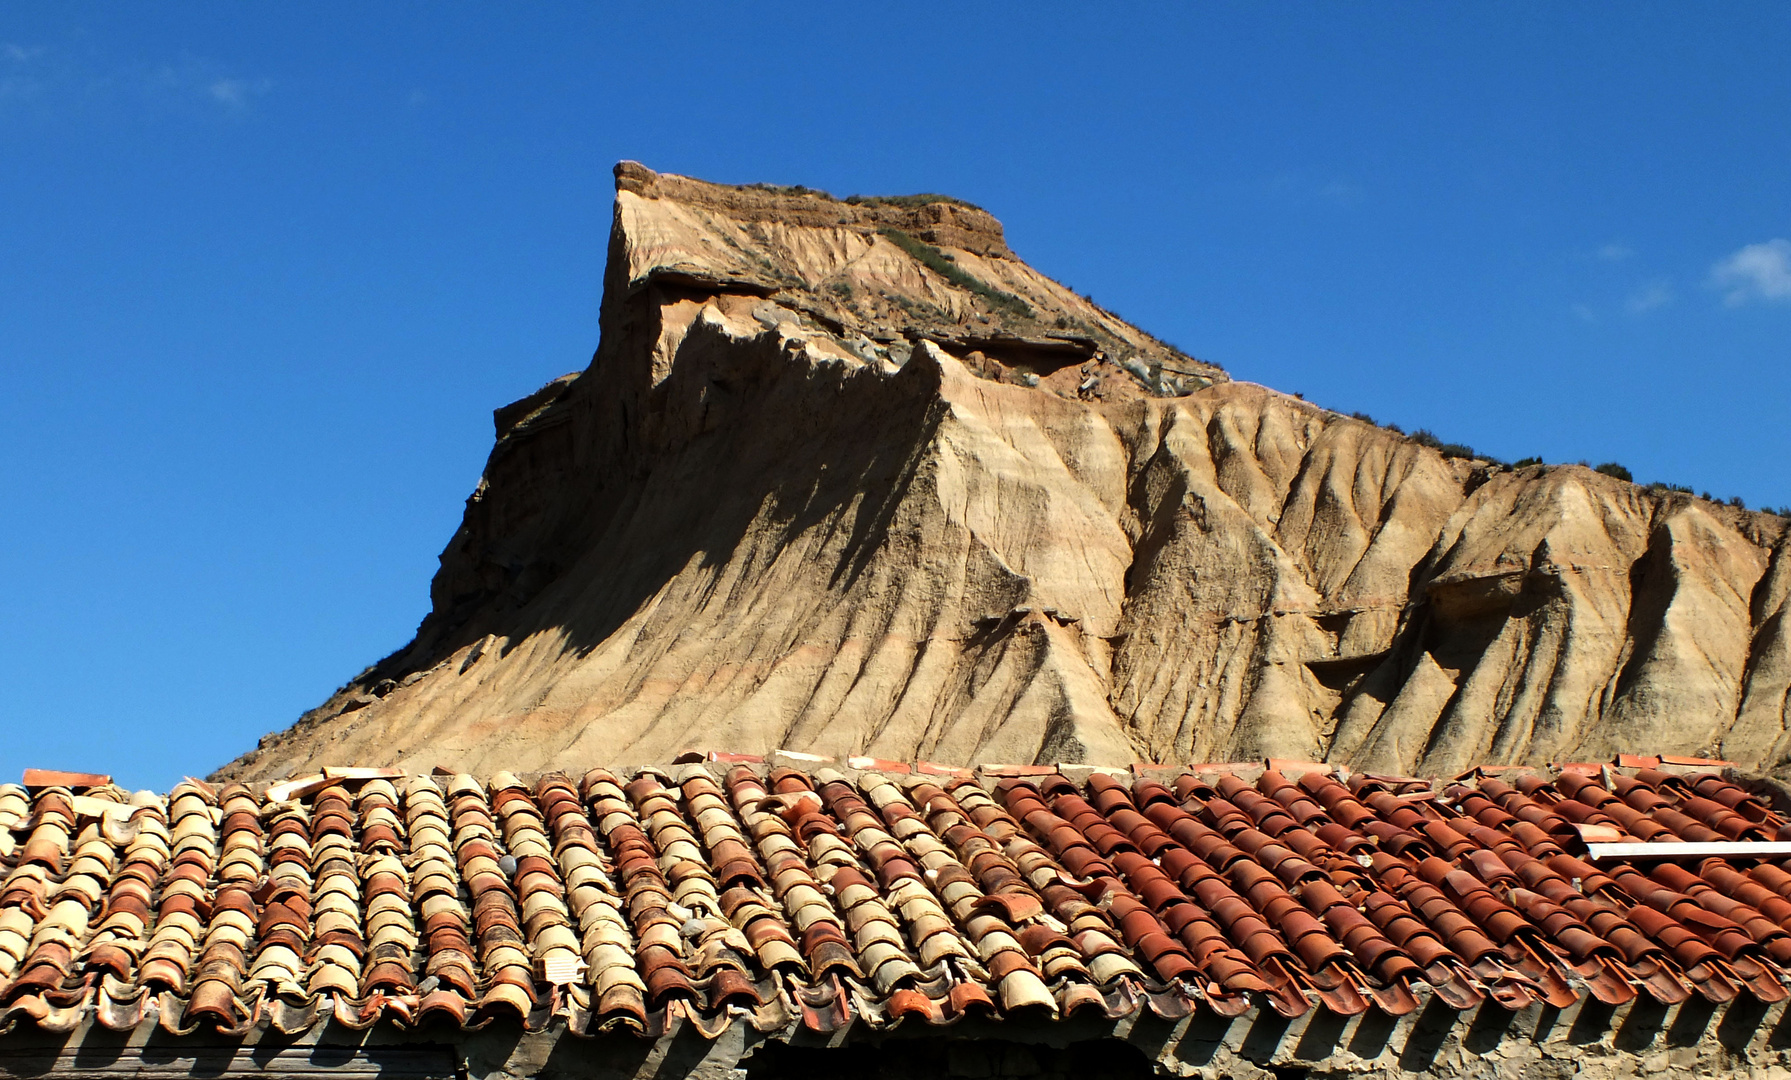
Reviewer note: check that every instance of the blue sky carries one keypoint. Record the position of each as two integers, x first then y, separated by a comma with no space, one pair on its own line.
266,270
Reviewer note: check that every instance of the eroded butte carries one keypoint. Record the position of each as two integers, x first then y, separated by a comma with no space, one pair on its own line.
847,477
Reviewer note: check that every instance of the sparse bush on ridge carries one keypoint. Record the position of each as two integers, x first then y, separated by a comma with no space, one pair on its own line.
1657,487
788,189
922,199
942,264
1429,438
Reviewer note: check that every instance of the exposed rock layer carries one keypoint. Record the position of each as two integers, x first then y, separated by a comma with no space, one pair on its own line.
852,479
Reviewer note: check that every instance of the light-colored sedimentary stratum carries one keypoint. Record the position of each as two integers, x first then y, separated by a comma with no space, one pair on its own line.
852,479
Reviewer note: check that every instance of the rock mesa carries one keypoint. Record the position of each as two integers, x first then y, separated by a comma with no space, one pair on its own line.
849,478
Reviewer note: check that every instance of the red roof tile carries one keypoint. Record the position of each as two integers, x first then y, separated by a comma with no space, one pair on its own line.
725,891
42,778
933,768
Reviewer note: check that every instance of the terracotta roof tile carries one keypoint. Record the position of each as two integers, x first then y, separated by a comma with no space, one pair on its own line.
43,778
723,891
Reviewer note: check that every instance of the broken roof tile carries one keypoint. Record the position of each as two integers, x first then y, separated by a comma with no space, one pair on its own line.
44,778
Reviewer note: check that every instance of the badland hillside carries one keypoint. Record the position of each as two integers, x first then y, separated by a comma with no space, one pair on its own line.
849,478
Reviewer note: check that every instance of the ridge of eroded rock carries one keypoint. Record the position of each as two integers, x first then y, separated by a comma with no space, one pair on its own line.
850,478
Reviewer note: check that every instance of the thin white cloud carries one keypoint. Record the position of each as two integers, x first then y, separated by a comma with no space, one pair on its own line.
237,94
1305,189
194,81
1615,253
1653,294
1756,272
63,84
1585,313
20,79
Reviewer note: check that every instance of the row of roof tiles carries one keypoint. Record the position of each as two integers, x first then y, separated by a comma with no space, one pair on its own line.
717,892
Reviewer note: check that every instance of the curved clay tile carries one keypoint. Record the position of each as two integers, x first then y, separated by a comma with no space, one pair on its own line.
778,897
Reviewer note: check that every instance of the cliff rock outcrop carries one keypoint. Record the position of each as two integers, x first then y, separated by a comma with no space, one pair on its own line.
847,477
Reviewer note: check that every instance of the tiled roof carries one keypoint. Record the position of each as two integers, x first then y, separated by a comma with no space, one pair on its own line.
725,892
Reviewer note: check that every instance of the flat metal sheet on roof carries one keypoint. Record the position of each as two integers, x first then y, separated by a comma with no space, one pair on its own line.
1726,849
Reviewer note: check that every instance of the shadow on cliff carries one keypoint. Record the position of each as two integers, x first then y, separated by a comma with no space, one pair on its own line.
745,458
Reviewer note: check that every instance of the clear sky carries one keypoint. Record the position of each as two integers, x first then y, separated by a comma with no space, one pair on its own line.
265,270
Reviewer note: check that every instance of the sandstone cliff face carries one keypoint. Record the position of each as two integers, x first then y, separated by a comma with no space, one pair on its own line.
852,479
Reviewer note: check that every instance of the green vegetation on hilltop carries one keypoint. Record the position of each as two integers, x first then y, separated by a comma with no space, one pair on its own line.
786,189
1425,437
942,264
923,199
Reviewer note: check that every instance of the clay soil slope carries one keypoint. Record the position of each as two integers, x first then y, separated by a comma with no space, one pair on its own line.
850,478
